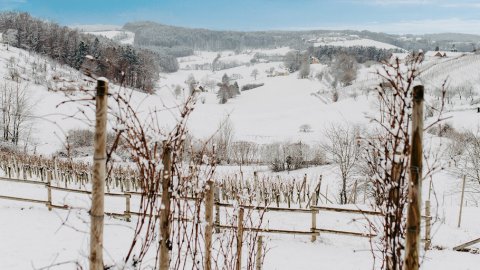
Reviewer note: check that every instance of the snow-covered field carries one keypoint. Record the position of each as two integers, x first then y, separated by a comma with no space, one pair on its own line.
121,36
361,42
42,238
32,237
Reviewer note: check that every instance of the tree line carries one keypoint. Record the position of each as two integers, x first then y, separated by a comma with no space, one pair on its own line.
133,67
362,54
170,37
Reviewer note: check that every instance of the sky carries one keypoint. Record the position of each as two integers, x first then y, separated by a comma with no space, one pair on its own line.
390,16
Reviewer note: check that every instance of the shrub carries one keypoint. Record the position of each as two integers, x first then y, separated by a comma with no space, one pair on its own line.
252,86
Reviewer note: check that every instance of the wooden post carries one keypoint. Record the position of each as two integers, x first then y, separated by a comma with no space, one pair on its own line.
239,239
256,187
304,187
461,201
430,187
209,196
165,222
415,185
99,171
258,259
314,225
55,169
217,208
326,195
428,225
49,191
355,193
318,191
128,196
365,186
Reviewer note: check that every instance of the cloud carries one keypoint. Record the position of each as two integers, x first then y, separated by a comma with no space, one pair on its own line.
461,5
428,26
11,4
440,3
393,2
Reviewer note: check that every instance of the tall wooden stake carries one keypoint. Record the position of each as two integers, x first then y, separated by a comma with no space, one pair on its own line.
428,226
98,181
258,258
317,197
314,224
239,239
415,185
165,222
365,191
49,190
127,213
355,193
461,202
217,208
209,196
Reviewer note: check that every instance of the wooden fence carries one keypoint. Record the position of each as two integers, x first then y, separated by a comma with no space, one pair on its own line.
292,192
210,204
313,210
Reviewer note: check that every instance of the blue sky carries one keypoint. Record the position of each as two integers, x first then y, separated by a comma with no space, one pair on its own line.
393,16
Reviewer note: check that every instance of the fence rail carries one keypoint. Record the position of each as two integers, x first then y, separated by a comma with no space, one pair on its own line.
314,210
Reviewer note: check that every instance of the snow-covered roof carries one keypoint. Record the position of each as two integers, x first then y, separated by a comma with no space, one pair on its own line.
437,53
443,54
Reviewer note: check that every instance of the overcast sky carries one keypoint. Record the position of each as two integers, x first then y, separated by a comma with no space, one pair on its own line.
391,16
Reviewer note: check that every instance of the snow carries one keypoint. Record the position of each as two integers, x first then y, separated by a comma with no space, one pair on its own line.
41,238
96,27
122,36
33,237
363,42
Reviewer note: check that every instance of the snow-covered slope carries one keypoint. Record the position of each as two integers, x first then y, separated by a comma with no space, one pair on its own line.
270,113
122,36
362,42
273,112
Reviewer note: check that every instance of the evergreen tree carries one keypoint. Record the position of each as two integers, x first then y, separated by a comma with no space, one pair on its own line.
304,68
223,93
81,52
191,83
225,79
235,89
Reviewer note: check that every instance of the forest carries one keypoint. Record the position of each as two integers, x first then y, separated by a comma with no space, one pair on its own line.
130,66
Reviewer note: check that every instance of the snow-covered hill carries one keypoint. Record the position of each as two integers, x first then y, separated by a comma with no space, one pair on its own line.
271,113
121,36
354,42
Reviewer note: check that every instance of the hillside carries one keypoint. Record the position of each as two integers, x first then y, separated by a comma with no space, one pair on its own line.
182,38
270,114
273,112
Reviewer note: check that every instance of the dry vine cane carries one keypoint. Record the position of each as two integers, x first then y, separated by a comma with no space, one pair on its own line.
148,144
388,158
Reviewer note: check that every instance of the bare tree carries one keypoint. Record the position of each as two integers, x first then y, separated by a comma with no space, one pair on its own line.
343,150
177,91
16,110
468,163
304,71
254,73
305,128
215,62
223,139
345,68
244,152
191,82
292,61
